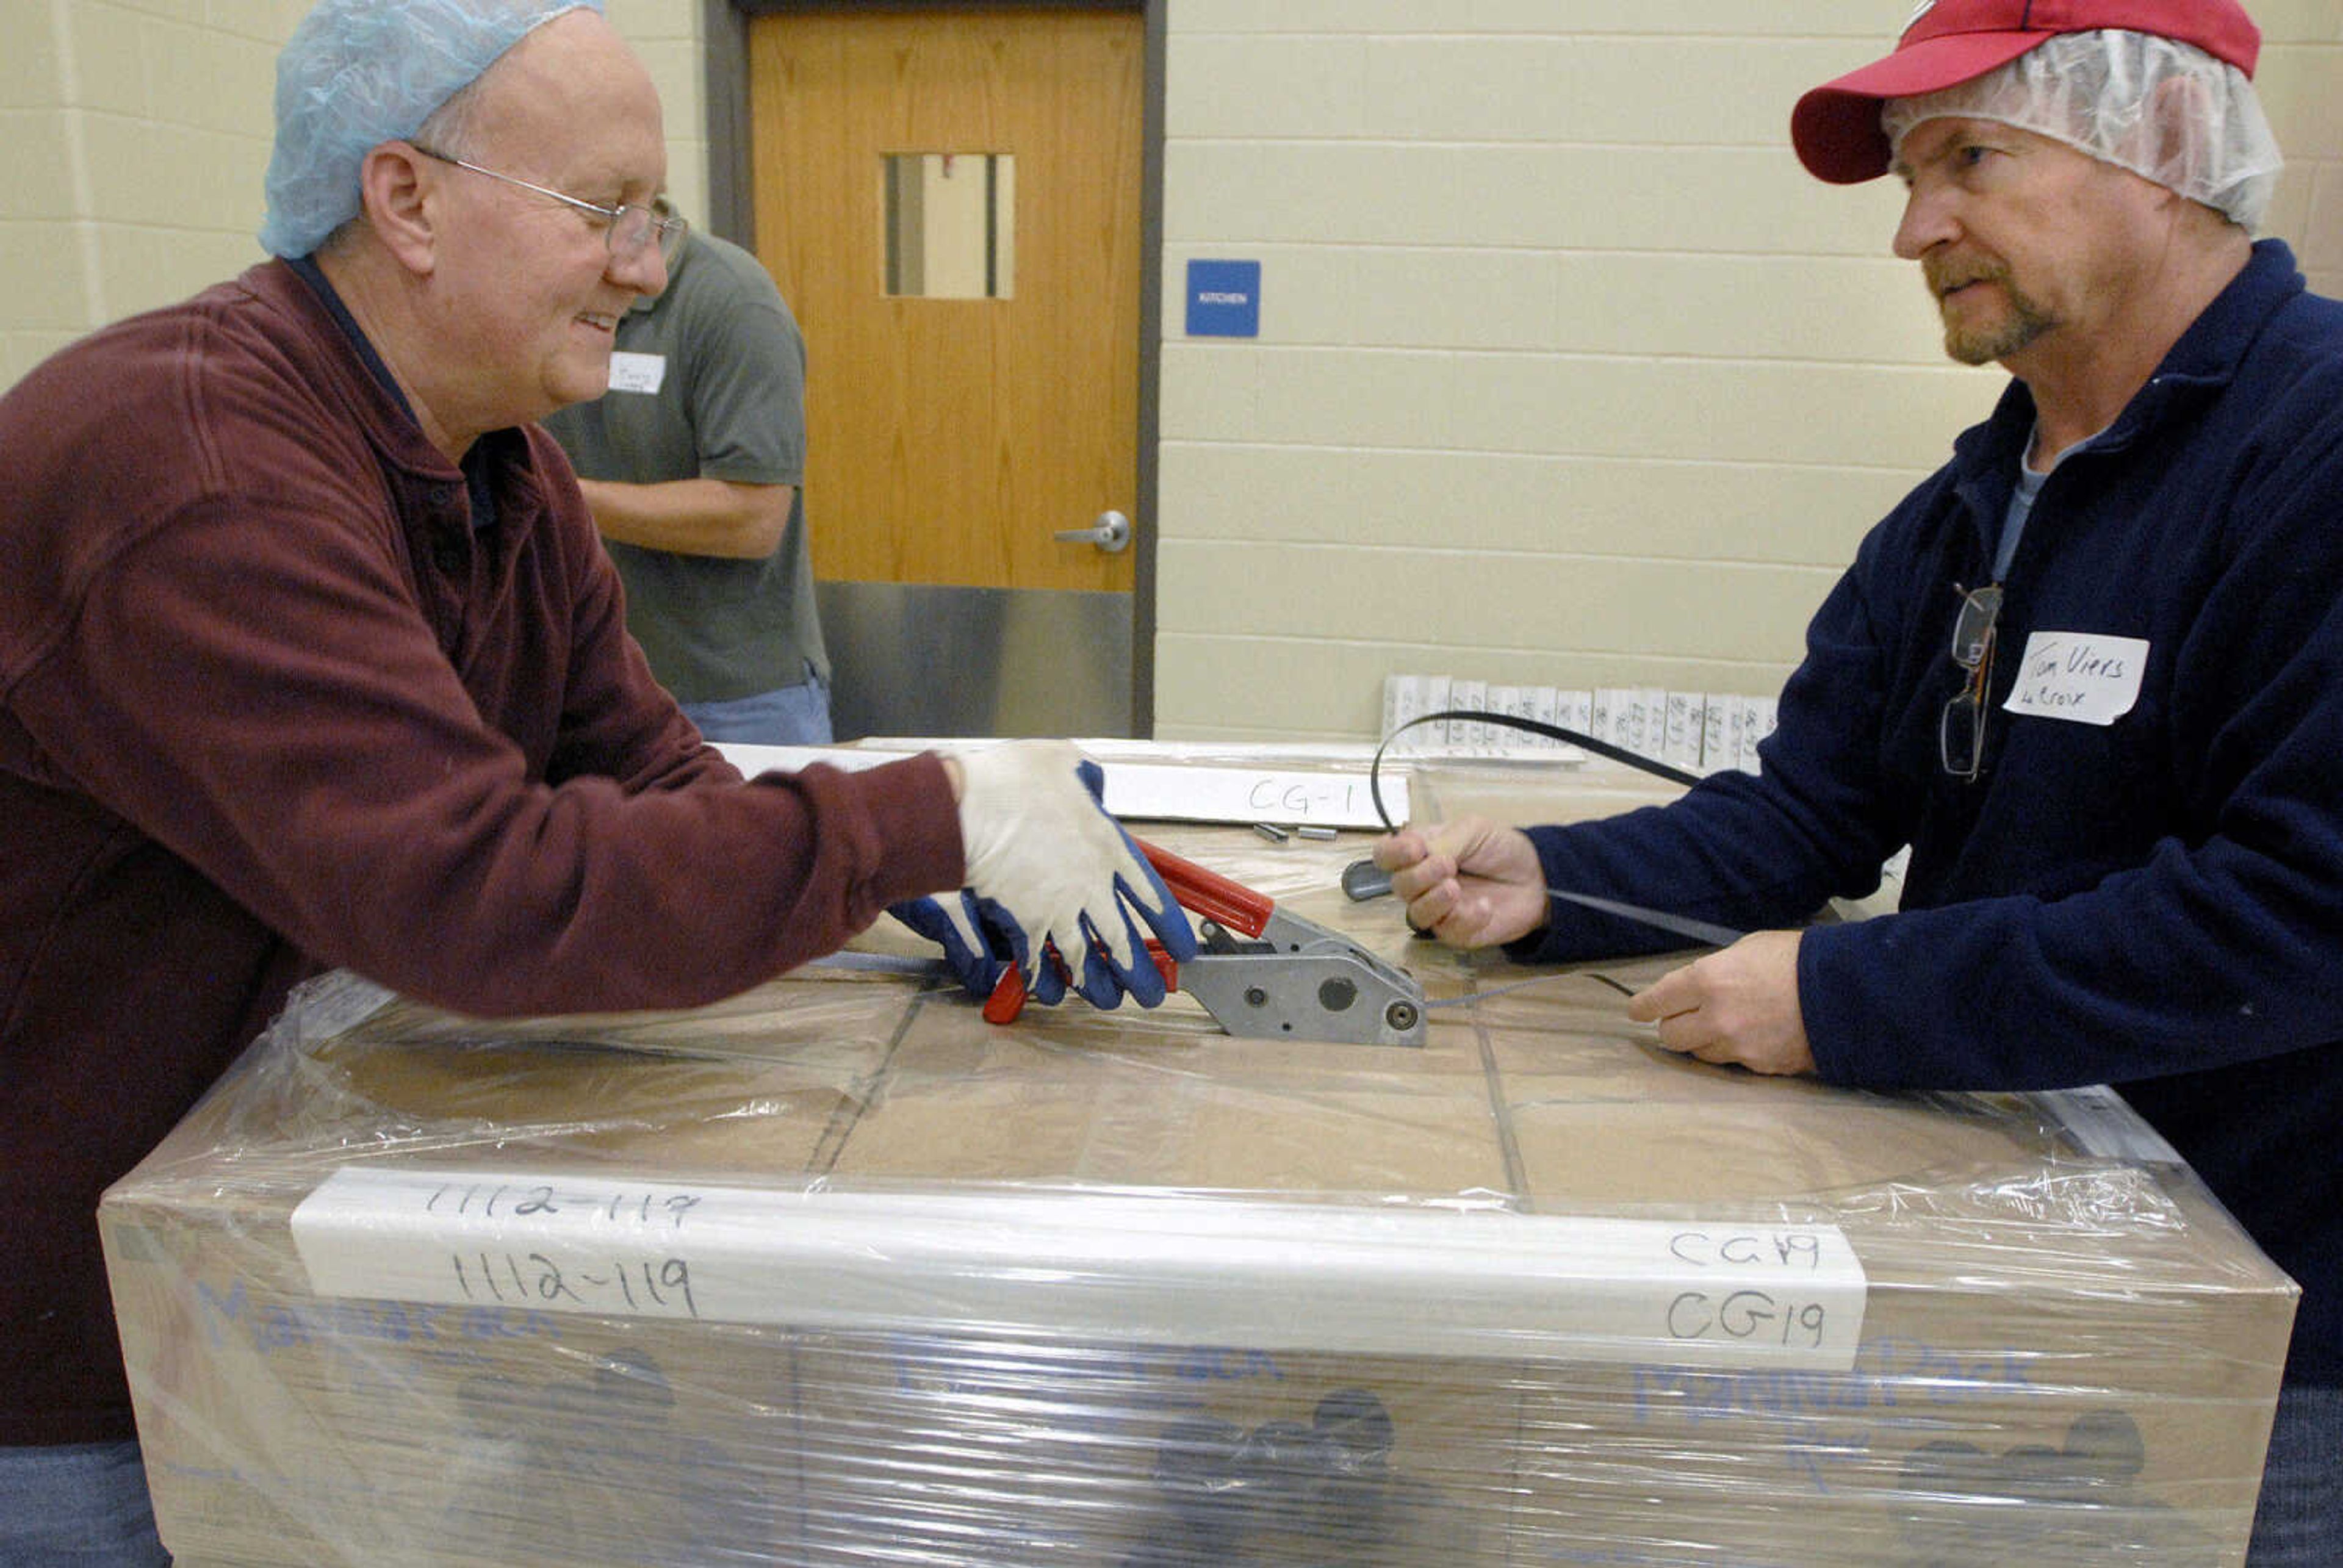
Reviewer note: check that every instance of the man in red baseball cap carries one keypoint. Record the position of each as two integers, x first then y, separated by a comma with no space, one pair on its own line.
2126,828
1836,126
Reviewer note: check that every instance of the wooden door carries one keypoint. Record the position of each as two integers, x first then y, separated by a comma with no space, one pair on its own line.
948,439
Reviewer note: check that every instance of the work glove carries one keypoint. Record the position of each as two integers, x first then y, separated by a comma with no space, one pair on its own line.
1048,867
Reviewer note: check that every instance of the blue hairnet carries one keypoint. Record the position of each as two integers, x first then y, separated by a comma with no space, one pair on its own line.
359,73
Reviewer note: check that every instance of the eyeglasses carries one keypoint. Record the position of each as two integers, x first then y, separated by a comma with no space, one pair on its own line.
1960,729
627,228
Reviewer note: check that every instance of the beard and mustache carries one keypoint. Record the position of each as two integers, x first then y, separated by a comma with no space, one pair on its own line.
2025,320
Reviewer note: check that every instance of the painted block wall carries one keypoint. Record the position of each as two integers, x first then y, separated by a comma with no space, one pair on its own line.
1567,374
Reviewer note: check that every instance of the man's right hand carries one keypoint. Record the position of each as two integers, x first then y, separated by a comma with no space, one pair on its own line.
1047,866
1471,882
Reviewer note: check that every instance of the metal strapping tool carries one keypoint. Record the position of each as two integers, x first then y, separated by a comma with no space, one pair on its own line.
1264,973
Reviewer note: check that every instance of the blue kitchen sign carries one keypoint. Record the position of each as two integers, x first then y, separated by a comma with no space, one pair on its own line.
1225,299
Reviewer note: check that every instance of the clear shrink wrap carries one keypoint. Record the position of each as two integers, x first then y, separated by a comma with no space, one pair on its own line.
836,1273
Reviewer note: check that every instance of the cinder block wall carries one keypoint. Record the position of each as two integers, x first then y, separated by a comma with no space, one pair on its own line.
1567,374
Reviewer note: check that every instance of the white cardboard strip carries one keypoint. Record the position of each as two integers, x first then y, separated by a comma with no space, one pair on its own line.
1168,792
1174,1270
1178,793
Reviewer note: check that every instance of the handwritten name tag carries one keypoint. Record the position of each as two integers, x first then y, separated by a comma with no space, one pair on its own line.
2079,676
637,372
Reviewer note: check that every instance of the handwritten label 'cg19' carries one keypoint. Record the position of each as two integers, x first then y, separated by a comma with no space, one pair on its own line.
1756,1297
1129,1268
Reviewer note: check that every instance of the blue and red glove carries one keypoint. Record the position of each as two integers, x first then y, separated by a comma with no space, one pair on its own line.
1048,867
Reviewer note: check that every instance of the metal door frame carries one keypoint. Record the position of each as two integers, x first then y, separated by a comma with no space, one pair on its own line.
731,212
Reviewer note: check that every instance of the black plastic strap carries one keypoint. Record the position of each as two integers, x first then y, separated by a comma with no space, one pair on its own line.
1531,726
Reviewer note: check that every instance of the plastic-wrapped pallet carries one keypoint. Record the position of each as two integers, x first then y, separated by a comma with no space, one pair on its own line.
836,1273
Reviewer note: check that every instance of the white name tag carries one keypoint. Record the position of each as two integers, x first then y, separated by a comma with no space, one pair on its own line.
637,372
2077,676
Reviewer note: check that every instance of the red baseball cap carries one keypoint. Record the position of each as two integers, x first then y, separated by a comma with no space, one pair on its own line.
1835,127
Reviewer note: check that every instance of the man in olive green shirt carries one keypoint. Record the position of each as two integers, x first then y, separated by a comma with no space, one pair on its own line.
692,464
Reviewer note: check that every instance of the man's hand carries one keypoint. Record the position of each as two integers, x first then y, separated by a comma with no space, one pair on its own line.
1738,1005
1471,882
1047,865
976,955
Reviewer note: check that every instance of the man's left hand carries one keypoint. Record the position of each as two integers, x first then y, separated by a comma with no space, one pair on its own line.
1739,1004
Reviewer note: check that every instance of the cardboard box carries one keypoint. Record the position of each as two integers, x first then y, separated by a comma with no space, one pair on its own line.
836,1273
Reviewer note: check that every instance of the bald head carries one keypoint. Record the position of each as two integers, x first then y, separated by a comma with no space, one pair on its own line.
572,77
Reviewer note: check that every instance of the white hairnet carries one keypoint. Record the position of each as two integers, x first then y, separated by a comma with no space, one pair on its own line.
359,73
2167,111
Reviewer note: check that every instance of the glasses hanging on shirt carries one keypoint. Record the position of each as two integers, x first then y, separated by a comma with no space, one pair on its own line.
1960,729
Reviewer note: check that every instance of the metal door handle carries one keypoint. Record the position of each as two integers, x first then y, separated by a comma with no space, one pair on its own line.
1110,533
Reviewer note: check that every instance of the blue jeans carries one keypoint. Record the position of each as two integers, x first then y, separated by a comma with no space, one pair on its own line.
84,1504
793,716
2300,1523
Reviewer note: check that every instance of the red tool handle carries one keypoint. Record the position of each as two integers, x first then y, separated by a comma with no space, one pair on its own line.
1007,997
1216,897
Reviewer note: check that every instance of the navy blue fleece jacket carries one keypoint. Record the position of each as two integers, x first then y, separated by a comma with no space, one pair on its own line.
2156,901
